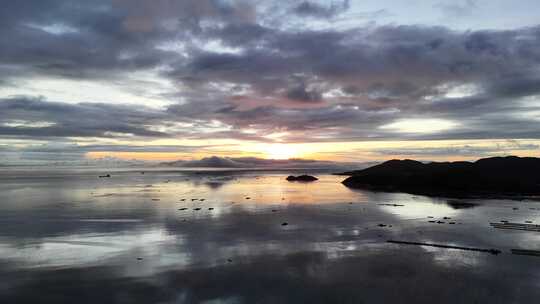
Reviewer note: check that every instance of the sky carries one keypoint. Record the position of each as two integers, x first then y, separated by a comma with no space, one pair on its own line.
350,81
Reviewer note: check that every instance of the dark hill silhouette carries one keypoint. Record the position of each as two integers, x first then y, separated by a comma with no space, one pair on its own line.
497,176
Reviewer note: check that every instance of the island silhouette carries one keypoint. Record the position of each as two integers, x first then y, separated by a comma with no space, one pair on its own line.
487,177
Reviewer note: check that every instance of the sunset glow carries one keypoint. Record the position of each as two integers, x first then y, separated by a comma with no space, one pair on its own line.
346,81
281,151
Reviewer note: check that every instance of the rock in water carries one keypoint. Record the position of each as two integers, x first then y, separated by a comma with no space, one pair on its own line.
301,178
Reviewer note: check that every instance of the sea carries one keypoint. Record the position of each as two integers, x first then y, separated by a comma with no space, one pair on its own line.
166,235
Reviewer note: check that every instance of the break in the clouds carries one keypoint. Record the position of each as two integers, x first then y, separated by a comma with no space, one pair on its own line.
108,73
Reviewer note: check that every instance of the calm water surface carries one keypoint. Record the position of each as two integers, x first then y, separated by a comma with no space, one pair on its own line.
68,236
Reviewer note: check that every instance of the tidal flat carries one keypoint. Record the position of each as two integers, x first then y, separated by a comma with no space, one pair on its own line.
169,236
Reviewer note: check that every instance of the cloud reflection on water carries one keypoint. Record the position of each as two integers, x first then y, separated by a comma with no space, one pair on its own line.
68,238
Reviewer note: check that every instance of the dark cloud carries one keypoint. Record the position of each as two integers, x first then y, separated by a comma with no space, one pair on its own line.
399,70
24,117
102,38
314,9
86,40
301,93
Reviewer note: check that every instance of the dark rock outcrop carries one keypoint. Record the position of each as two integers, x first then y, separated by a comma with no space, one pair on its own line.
301,178
497,176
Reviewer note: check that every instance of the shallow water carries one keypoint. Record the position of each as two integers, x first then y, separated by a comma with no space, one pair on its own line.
68,236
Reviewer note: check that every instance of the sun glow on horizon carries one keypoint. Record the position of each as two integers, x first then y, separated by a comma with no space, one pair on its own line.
281,151
361,151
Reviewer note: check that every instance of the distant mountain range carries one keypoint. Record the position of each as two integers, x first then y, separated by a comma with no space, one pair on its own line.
497,176
253,162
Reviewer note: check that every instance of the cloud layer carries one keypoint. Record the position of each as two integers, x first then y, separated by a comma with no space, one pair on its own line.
243,70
